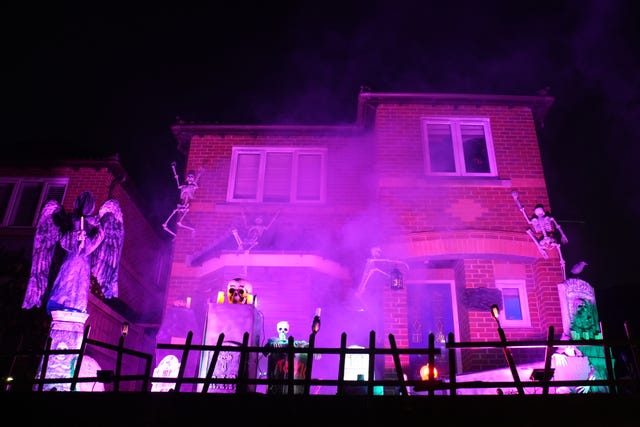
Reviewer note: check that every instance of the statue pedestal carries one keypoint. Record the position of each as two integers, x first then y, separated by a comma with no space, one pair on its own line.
66,332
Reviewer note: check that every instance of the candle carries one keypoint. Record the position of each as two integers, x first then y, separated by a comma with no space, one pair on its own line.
81,223
220,297
188,302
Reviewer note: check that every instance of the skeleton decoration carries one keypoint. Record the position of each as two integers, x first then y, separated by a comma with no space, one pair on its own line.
253,232
384,266
92,246
187,191
239,291
278,361
283,330
544,230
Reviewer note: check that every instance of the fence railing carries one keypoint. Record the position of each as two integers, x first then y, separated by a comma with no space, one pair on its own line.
246,381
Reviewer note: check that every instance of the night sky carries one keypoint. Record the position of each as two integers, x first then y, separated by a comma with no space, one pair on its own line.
89,82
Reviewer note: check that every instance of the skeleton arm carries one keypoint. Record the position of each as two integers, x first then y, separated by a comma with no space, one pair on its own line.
563,238
198,175
175,174
371,267
244,220
369,270
514,194
272,220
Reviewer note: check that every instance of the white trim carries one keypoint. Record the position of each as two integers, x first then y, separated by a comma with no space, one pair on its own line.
521,286
262,152
243,259
454,124
15,199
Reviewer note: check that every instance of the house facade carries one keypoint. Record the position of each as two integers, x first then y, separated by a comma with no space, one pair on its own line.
143,268
407,222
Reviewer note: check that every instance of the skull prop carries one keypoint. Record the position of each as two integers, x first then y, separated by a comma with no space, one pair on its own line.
283,330
239,291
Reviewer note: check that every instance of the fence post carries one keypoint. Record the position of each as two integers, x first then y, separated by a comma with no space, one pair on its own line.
507,351
116,381
310,356
452,365
212,364
608,355
431,360
398,365
243,366
45,363
83,346
547,361
290,369
372,362
183,360
341,363
635,373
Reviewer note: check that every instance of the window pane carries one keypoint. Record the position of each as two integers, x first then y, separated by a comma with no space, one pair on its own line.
27,204
512,304
6,188
309,177
277,177
441,157
474,145
246,182
55,192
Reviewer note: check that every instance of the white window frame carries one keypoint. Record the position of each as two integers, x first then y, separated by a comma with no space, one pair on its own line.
262,153
520,287
16,198
455,125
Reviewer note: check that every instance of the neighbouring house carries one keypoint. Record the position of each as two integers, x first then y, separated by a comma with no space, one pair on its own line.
143,271
407,222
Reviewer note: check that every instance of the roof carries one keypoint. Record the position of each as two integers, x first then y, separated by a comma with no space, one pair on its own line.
367,103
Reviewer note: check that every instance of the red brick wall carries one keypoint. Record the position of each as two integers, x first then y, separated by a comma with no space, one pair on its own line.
472,220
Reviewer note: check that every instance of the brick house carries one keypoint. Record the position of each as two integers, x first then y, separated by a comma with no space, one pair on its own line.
426,180
144,264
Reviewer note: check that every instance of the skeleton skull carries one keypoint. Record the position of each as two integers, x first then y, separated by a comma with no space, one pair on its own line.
283,329
239,291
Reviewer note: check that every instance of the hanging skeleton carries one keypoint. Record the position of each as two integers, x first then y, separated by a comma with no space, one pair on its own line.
384,266
253,232
544,230
187,191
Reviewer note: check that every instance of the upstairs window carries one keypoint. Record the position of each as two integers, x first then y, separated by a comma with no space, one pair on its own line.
277,175
458,147
21,199
515,306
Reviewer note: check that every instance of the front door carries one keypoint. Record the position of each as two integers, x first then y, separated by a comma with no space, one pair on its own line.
430,311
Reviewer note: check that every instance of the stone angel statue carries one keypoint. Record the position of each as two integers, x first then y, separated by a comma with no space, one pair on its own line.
76,250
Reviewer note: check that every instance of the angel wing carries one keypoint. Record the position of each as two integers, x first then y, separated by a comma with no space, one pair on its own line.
105,260
47,236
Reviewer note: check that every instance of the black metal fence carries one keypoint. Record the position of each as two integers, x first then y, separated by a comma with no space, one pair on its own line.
245,382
